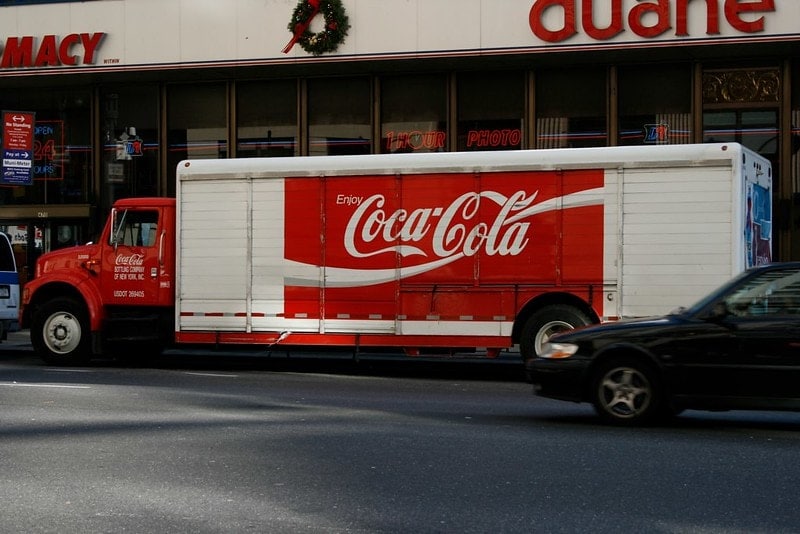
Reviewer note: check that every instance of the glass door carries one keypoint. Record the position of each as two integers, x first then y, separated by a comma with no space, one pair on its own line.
26,243
30,239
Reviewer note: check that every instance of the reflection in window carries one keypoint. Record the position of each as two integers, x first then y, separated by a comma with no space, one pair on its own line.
339,116
571,108
655,105
772,293
794,218
65,235
756,129
413,113
129,119
491,110
266,115
62,158
197,124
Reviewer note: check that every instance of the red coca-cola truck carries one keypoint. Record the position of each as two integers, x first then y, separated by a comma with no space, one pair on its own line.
487,250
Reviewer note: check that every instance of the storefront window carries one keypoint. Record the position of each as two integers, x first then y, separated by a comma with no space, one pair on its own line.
742,105
491,110
266,114
339,117
795,164
655,105
197,124
571,108
756,129
62,155
129,122
413,113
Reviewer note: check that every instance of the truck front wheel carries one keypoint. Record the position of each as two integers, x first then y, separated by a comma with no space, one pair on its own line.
60,332
547,322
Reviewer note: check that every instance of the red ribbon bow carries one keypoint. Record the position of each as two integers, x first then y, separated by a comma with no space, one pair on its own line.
301,27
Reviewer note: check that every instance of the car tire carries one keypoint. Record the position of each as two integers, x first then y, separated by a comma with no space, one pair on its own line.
627,392
545,323
60,332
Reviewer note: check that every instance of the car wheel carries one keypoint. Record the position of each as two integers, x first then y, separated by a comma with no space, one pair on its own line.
627,392
547,322
60,332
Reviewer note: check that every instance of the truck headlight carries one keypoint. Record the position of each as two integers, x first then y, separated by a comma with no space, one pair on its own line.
555,351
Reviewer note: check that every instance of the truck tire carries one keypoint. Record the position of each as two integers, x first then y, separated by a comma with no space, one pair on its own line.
627,392
60,332
547,322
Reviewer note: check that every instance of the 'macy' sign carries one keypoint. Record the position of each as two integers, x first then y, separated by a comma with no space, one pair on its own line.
50,50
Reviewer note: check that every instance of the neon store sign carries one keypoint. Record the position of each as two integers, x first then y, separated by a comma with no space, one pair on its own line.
437,139
48,145
415,140
505,137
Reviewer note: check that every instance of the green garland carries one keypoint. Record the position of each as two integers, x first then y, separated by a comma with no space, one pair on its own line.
336,26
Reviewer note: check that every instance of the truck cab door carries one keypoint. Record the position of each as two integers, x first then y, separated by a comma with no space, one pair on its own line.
133,273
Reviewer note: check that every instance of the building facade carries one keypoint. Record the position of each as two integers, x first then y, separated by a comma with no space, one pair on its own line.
120,91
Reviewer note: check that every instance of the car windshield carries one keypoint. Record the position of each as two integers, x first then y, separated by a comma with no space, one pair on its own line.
767,292
711,297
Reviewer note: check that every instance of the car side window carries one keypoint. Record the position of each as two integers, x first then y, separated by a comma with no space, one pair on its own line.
771,293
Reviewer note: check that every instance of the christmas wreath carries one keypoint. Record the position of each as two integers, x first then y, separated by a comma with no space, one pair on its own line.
332,35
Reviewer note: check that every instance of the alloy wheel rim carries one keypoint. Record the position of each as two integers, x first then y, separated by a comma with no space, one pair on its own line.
625,392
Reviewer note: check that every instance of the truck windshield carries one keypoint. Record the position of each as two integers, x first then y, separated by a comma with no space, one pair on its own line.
135,228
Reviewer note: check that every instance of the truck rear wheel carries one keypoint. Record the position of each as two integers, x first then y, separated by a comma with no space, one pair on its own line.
547,322
60,332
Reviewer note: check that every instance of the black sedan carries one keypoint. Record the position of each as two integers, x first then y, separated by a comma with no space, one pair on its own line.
738,348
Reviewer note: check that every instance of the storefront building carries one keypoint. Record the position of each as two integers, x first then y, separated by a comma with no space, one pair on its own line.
121,90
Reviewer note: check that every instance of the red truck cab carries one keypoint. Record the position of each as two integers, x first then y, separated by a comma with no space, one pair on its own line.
119,289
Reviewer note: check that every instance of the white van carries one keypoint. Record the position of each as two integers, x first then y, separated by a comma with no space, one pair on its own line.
9,287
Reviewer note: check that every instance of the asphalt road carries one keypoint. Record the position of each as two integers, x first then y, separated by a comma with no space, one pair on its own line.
203,443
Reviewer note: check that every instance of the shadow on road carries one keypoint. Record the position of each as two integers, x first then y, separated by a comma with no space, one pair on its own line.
507,367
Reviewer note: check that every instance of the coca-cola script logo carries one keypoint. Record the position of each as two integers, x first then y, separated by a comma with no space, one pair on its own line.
436,235
129,259
505,235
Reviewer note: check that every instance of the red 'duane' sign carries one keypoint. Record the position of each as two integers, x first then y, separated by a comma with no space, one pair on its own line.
557,20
